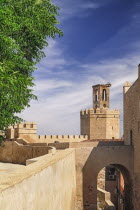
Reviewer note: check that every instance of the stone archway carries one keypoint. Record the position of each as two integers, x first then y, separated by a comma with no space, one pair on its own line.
114,188
91,160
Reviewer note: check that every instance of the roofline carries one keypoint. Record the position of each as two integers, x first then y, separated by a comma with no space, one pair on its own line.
106,85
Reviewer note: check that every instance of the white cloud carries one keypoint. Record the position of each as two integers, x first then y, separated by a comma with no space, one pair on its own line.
90,5
45,85
58,112
64,90
72,8
54,56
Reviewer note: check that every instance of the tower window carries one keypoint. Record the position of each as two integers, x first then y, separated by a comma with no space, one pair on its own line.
96,95
104,95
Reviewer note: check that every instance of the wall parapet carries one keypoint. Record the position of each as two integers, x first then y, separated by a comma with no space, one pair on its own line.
28,132
91,111
14,152
32,183
80,137
104,200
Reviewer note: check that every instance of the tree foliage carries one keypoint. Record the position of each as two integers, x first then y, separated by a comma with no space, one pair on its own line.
25,26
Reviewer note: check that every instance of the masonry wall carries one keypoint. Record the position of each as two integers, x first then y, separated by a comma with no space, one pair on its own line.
89,162
28,131
48,184
132,131
61,138
104,200
13,152
102,124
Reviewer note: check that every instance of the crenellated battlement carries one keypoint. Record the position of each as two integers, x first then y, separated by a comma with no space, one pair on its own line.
59,137
28,131
91,111
27,125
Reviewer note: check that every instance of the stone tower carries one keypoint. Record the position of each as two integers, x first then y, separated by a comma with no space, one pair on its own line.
101,96
99,122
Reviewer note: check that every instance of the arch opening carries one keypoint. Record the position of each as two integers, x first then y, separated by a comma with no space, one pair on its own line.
104,95
96,95
114,188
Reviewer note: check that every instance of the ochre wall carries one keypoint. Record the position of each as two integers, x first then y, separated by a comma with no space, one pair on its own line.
132,123
61,138
102,124
28,131
48,184
13,152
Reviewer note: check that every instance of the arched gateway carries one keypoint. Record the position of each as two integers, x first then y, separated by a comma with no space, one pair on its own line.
114,188
91,160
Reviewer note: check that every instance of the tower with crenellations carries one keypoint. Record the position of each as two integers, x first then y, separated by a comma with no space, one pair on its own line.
100,122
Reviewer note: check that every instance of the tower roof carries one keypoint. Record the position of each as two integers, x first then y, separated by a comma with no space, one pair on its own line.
127,84
105,85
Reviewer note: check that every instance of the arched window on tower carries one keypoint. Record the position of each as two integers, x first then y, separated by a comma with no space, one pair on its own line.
104,95
96,95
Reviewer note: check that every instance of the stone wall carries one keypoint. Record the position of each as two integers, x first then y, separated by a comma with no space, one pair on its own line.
132,130
100,124
104,200
48,184
28,131
13,152
61,138
93,143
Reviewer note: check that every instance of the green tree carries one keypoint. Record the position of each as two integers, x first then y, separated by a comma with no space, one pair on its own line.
25,26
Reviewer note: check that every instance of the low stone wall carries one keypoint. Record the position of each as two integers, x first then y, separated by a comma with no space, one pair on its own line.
103,200
48,184
95,143
13,152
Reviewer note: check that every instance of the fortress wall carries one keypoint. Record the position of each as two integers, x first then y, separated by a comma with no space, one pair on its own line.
85,121
13,152
28,132
113,126
132,129
61,138
93,143
47,184
105,120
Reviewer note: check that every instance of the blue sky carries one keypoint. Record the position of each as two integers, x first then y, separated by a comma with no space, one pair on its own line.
101,44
